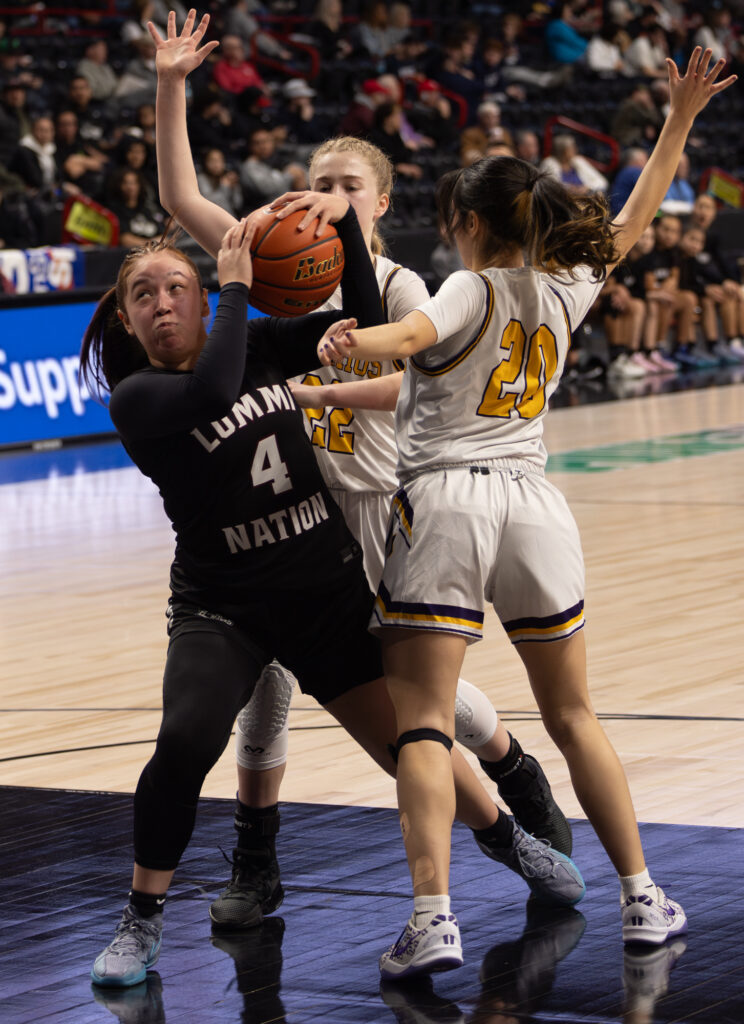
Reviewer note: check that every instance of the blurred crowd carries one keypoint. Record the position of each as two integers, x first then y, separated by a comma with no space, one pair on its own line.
435,84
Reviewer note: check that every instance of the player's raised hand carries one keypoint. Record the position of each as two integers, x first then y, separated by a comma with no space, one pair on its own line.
326,207
234,261
689,93
179,54
336,343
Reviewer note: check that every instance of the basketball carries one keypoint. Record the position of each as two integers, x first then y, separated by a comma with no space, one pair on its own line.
294,271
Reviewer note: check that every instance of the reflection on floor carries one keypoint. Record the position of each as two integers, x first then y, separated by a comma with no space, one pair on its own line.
64,866
585,389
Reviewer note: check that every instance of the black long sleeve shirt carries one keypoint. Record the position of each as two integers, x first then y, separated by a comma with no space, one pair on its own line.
226,445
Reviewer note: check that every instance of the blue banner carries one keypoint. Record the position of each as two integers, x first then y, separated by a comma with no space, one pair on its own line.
40,397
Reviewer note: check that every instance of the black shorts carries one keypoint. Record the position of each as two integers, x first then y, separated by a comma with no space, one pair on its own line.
319,633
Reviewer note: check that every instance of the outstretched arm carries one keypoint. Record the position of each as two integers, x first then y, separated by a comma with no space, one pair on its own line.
405,338
175,58
688,95
380,394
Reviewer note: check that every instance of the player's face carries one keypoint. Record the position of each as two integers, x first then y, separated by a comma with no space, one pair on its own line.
164,307
350,176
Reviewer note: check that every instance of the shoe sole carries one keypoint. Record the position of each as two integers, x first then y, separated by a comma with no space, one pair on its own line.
121,982
643,935
267,907
433,964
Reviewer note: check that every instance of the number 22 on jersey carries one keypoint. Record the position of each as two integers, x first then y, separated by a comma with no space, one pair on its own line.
336,437
538,357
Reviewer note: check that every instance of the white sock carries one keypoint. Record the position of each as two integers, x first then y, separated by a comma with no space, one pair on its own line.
636,885
427,907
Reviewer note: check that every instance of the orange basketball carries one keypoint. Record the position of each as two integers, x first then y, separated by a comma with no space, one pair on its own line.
294,271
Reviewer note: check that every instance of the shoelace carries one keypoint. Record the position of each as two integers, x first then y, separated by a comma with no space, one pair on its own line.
543,858
132,935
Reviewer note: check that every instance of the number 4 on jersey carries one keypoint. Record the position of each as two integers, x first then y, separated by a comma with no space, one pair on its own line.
268,468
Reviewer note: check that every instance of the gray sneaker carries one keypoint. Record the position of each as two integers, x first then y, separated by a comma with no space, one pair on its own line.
136,948
553,877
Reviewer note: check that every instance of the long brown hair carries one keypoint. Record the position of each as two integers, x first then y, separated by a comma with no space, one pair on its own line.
378,162
527,208
109,353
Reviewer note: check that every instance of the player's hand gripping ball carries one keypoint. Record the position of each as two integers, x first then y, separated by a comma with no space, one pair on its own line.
294,271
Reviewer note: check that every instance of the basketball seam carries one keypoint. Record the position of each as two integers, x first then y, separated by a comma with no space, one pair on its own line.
296,252
296,287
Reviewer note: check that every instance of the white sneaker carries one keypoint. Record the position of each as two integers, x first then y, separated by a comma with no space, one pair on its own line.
652,921
625,368
436,947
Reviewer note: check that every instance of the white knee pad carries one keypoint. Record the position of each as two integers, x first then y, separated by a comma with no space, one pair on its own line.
475,716
262,729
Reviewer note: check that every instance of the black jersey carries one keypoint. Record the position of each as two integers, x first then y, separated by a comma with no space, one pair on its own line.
226,446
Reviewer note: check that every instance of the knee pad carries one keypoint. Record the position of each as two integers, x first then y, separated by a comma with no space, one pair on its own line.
416,735
475,716
262,731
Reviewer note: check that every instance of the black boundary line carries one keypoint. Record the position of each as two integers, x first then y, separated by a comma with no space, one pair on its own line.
520,717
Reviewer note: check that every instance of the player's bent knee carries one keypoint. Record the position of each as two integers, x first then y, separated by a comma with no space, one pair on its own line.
417,735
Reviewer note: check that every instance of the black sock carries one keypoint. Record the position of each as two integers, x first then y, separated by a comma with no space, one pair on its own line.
499,834
147,904
510,763
256,826
616,351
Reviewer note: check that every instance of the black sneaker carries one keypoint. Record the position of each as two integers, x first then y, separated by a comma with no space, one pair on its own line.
255,889
533,805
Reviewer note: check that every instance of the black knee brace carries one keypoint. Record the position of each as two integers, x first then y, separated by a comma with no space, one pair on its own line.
415,736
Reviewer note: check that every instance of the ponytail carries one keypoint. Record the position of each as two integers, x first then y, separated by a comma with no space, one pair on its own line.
528,209
108,353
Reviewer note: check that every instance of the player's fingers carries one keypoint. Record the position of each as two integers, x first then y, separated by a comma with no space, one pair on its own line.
171,24
694,60
156,37
702,68
201,28
720,86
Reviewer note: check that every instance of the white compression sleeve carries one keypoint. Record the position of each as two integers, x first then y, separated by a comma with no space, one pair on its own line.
475,716
262,730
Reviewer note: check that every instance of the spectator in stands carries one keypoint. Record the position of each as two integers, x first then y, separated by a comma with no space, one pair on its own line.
81,165
716,33
527,146
704,214
361,113
431,114
212,124
135,27
261,180
17,228
665,301
326,31
646,56
95,67
15,118
699,275
92,120
144,125
489,68
475,139
233,72
220,185
371,35
304,126
138,83
385,134
140,219
136,155
240,22
414,139
565,45
604,54
567,165
637,121
34,158
452,69
399,24
680,198
623,309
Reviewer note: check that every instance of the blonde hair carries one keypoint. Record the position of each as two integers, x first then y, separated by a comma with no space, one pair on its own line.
378,162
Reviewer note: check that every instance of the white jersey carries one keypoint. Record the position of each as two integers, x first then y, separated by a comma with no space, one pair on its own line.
356,451
480,392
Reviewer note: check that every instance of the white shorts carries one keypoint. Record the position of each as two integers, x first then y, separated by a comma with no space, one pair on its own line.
464,535
366,514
